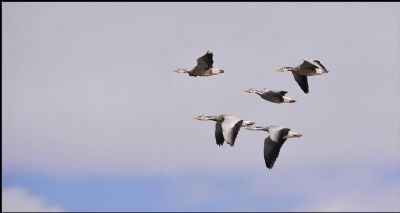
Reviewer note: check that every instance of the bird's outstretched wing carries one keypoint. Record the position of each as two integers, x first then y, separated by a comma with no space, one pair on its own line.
319,64
273,96
230,129
271,152
281,92
307,64
205,62
302,81
219,137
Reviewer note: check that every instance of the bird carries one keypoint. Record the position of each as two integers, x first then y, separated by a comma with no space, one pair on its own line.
274,96
273,143
307,68
204,67
226,128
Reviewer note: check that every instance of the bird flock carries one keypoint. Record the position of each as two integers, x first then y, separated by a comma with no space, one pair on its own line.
227,126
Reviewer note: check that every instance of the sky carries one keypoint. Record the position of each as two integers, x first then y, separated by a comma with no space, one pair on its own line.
95,119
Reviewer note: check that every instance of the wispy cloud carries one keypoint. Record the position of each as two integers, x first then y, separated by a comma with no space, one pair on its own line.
17,199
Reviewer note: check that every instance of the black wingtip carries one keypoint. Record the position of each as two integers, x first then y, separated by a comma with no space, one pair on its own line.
304,88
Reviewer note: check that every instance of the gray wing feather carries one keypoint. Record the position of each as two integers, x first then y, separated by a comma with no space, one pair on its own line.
219,137
230,129
271,152
307,64
281,92
204,63
274,96
320,65
301,81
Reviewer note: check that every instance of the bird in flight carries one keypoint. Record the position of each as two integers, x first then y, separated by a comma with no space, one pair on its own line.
226,128
204,67
273,143
274,96
307,68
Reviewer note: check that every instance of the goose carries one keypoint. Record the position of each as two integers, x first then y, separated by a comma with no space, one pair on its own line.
274,96
204,67
307,68
273,143
226,128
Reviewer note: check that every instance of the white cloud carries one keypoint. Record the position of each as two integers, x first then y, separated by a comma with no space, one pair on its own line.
16,199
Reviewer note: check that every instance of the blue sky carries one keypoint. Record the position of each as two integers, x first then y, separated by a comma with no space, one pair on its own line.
211,192
94,119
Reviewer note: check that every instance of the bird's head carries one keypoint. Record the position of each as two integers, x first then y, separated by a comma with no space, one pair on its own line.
201,118
292,134
282,69
251,90
180,70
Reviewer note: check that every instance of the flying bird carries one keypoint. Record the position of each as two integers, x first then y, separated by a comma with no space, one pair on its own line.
274,96
204,67
307,68
273,143
226,128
